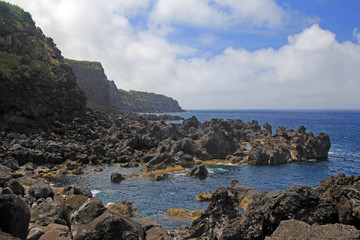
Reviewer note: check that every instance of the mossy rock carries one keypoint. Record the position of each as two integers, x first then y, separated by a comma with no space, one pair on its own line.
203,196
178,212
156,176
124,209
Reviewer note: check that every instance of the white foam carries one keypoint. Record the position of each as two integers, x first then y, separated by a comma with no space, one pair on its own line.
109,203
94,192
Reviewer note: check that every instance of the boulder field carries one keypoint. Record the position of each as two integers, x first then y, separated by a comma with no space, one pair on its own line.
131,139
331,210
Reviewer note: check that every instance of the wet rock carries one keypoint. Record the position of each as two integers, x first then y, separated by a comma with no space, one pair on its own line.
199,171
117,177
203,196
156,176
15,215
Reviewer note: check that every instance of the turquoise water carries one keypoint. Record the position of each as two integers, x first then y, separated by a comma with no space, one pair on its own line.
154,198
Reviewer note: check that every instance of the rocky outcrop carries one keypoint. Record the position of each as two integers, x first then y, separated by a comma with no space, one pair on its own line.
293,229
36,82
268,210
199,172
104,95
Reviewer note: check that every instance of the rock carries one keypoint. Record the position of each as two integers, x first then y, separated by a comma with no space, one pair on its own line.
109,226
46,213
148,223
199,171
197,213
156,176
344,192
16,187
15,215
293,229
131,164
203,196
41,190
4,177
77,189
175,212
79,209
157,233
117,177
124,209
11,163
6,236
54,235
35,233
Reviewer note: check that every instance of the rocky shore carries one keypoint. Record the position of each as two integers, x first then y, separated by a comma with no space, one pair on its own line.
32,209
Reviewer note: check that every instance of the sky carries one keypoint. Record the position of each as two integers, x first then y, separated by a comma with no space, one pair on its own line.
216,54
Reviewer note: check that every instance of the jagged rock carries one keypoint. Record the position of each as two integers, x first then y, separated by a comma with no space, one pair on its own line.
199,171
292,229
15,215
124,208
41,190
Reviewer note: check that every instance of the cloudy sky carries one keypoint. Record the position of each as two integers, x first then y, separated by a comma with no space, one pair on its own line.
216,54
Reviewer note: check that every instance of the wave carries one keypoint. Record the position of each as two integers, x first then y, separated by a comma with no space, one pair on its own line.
94,192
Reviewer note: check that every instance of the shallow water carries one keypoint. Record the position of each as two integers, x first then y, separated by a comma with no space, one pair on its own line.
154,198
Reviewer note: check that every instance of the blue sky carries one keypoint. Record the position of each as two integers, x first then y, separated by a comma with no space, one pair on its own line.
216,54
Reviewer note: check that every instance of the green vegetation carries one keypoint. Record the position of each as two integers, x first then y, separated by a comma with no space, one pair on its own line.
35,79
87,64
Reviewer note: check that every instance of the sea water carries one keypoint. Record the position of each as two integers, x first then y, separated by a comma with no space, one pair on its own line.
153,198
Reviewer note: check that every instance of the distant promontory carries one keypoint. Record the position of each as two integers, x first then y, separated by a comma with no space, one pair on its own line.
103,94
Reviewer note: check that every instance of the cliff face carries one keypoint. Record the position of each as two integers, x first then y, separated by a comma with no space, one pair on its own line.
35,80
104,94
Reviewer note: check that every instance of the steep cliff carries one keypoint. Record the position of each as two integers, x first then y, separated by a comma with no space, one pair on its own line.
36,82
104,94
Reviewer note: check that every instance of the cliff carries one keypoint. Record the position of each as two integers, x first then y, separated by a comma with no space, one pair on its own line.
36,82
104,95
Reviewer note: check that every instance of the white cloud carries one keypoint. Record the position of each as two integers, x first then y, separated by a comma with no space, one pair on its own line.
311,70
218,13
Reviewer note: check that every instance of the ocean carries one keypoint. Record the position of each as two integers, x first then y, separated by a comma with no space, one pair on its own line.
152,198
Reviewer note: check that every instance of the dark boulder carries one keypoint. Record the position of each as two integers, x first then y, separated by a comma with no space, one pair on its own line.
117,177
199,171
41,190
15,215
16,187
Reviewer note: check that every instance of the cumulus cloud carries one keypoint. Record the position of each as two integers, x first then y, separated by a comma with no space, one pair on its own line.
312,70
218,13
356,35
